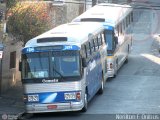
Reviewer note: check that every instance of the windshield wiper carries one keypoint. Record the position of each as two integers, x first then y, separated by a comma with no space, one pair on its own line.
58,73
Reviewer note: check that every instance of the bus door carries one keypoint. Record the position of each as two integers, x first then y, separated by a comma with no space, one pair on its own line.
111,40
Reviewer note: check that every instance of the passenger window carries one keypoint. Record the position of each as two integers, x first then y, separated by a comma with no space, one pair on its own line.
96,44
86,53
118,29
124,27
121,28
89,49
102,38
99,40
92,45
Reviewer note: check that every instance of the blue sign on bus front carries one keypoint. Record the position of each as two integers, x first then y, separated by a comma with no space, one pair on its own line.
50,48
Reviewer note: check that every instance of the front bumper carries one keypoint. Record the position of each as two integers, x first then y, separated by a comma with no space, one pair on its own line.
110,73
40,108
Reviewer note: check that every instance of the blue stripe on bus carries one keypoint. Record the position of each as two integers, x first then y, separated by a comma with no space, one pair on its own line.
50,97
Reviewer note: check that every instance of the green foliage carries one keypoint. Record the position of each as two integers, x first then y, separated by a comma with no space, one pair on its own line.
11,3
27,20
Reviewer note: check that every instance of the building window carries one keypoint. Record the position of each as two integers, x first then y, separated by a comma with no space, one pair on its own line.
13,59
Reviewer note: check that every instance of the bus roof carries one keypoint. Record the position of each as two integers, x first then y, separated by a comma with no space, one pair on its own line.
72,34
109,13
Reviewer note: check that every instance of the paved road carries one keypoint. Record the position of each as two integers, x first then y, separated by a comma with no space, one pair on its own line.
136,88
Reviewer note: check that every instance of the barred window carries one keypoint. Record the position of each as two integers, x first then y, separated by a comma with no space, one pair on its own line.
13,59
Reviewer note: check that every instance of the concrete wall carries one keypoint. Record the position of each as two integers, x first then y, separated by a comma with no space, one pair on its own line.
74,10
10,77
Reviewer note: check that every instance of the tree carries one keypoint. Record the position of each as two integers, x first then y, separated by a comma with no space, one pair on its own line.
27,20
11,3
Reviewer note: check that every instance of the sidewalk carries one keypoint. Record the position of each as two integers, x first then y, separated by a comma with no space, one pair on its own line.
11,102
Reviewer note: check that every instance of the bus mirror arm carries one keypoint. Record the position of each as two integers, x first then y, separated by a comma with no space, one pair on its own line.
84,62
20,66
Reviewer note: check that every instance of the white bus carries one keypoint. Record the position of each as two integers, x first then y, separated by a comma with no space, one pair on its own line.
64,68
117,20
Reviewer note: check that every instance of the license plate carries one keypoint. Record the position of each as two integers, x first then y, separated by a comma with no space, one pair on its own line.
70,96
33,98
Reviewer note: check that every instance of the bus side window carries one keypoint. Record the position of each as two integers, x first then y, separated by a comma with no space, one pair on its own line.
92,45
96,44
87,47
118,31
126,22
86,53
102,36
115,42
131,17
90,49
83,51
121,31
124,25
99,40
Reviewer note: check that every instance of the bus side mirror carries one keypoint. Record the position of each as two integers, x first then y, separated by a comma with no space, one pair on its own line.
20,66
84,62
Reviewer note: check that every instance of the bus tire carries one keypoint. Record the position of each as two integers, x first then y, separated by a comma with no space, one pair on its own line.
100,91
84,109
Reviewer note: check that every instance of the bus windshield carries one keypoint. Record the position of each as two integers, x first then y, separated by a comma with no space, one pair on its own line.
51,65
109,39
